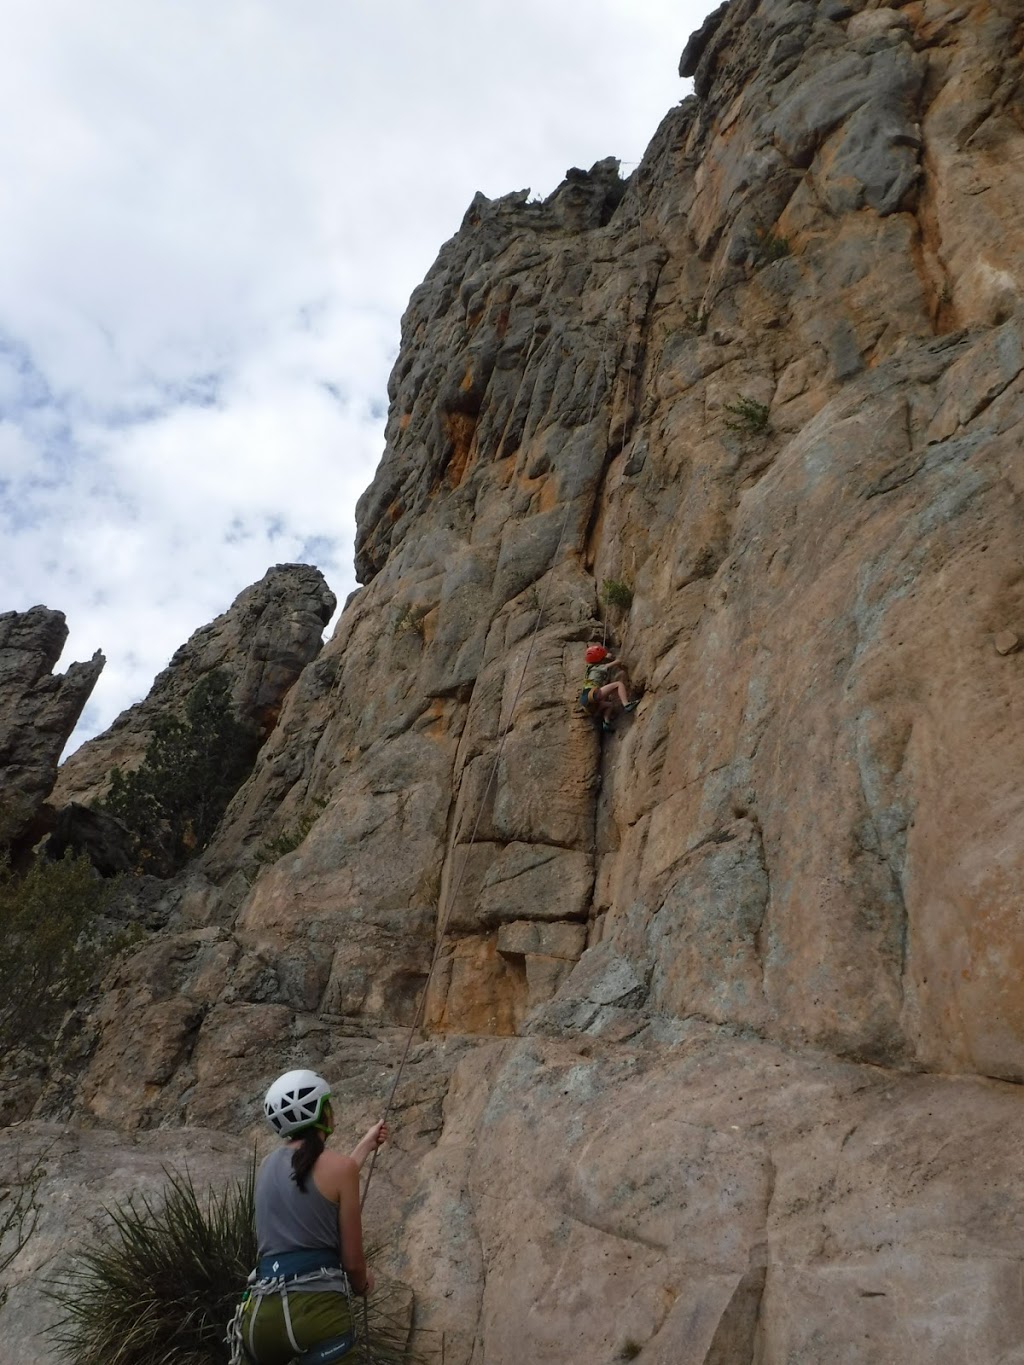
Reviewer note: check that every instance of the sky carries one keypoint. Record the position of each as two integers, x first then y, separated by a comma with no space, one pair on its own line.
214,215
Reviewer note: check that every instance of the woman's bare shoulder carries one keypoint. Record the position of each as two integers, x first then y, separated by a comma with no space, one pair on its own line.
334,1170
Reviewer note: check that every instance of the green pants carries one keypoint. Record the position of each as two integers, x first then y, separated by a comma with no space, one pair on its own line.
315,1317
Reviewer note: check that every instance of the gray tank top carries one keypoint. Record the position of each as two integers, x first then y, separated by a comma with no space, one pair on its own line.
290,1219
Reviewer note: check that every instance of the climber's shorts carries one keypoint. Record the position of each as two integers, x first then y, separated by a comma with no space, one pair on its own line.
315,1317
587,699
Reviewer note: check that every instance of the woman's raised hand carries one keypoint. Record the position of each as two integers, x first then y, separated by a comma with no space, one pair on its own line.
376,1136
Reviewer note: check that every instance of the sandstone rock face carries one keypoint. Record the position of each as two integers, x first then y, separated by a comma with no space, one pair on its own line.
705,1199
725,1028
263,641
38,712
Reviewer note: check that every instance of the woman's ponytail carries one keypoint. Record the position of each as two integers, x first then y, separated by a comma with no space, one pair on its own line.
311,1144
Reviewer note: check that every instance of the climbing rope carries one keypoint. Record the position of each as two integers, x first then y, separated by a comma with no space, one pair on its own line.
452,898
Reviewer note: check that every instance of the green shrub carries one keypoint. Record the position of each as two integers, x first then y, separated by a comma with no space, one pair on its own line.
769,248
697,320
409,619
616,593
748,416
53,944
160,1283
19,1210
273,849
193,766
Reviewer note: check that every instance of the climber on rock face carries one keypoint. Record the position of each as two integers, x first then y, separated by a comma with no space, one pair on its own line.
601,697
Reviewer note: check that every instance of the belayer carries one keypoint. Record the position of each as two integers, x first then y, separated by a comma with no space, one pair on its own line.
602,698
309,1234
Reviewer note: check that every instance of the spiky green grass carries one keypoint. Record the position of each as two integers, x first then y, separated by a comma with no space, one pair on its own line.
160,1282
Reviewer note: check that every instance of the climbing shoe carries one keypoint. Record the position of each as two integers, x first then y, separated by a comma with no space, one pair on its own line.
630,706
607,726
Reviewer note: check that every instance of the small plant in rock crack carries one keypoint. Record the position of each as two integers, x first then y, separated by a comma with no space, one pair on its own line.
409,620
20,1204
697,320
616,593
748,416
769,248
531,600
630,1349
289,841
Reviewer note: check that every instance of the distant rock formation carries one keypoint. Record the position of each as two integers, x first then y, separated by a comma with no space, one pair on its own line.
263,641
726,1040
38,712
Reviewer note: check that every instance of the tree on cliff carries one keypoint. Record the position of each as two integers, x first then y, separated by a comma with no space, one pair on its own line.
51,945
194,764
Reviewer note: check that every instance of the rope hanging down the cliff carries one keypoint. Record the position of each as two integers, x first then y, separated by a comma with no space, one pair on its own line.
453,896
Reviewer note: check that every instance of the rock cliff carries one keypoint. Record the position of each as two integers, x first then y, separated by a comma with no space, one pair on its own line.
263,641
725,1038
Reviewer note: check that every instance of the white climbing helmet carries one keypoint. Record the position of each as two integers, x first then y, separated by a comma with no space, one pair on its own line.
295,1101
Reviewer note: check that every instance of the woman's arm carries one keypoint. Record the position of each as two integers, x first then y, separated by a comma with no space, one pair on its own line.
350,1226
372,1139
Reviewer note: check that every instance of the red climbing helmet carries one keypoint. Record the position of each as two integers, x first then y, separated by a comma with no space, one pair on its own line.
595,654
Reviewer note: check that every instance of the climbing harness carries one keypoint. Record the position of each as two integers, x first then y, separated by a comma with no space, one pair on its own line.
258,1288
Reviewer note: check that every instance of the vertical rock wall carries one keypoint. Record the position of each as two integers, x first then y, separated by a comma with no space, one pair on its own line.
761,385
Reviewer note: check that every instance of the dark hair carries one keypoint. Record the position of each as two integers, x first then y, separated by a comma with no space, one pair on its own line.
311,1144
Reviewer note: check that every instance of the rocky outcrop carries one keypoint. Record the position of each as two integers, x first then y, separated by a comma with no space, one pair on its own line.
263,641
97,835
38,712
724,1039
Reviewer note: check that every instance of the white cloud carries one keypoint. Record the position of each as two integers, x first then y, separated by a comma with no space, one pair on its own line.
214,217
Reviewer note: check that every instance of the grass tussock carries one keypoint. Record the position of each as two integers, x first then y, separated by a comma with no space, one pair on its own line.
617,593
160,1282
